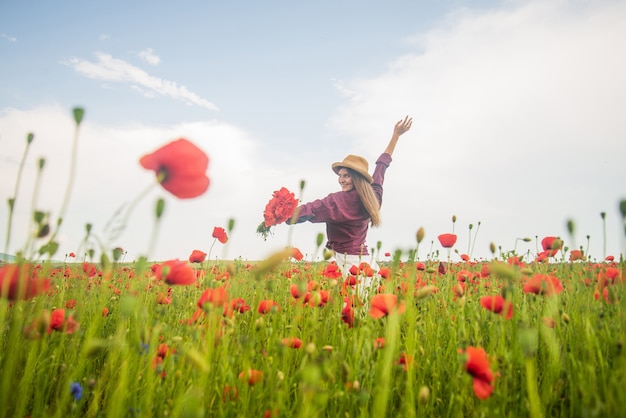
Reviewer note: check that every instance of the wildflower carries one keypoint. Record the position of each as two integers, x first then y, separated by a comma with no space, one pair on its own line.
551,245
90,270
76,390
180,167
72,255
163,299
384,304
543,284
405,360
197,256
447,240
379,342
21,282
477,365
332,271
178,272
220,234
347,315
59,322
497,304
292,342
70,304
576,255
251,376
239,305
297,254
266,306
216,297
105,312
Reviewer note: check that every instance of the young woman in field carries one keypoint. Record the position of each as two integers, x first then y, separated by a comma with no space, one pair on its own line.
349,213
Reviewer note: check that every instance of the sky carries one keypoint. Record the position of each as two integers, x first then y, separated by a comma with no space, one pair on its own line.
517,107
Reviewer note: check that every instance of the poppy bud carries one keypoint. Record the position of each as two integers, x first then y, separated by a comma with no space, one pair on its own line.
30,137
79,112
327,254
453,218
492,248
570,226
420,234
320,239
622,208
160,207
231,224
423,395
41,162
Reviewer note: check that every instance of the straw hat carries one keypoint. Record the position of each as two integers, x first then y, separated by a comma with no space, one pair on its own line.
356,163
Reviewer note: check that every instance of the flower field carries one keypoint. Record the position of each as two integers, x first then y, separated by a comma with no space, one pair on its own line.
514,335
289,338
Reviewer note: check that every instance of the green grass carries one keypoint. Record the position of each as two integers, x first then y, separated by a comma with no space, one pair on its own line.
576,368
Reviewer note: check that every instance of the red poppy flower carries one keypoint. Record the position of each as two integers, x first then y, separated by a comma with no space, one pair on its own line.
197,256
220,234
72,255
296,254
347,315
576,255
180,167
239,305
21,282
217,297
447,240
384,304
280,208
59,322
332,271
178,272
543,284
497,304
292,342
251,376
266,306
551,245
477,365
379,342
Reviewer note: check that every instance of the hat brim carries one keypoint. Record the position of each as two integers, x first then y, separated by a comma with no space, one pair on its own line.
346,164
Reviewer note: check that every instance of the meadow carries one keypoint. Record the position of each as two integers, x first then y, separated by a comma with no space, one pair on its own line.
536,335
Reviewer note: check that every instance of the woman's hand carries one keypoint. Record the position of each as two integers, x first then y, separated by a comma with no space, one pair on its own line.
403,125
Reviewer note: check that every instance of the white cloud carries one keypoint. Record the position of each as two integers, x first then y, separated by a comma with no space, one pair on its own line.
518,123
104,37
149,56
8,37
112,69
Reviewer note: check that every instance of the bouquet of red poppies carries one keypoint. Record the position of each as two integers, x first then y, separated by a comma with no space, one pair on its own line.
281,207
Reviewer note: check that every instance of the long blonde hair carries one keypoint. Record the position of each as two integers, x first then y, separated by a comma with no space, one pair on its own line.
367,196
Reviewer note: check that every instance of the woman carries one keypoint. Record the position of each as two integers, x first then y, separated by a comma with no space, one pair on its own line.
348,213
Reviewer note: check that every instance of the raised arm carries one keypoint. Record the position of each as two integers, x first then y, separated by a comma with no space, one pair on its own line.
401,127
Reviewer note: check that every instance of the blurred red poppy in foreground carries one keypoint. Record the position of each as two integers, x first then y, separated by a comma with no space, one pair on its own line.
447,240
220,234
197,256
21,282
477,365
180,167
384,304
497,304
543,284
177,272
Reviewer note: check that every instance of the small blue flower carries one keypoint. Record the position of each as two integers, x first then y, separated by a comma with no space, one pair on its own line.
76,390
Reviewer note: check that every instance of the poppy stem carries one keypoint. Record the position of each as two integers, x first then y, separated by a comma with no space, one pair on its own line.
11,201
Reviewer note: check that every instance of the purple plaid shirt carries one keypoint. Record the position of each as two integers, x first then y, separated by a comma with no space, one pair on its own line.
346,219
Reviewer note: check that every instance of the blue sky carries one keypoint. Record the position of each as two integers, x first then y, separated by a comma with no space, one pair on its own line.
517,107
